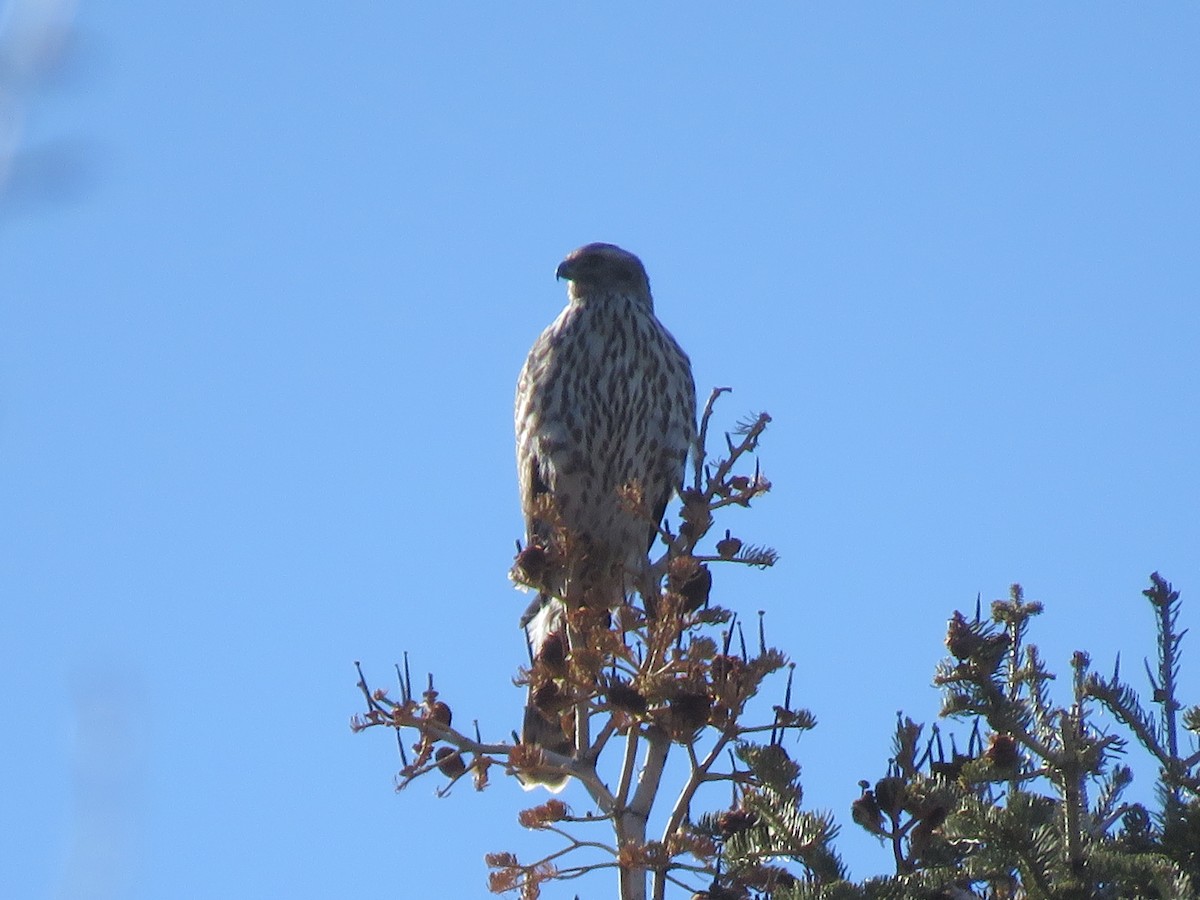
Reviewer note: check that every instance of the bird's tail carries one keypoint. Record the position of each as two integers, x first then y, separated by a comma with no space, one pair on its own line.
546,632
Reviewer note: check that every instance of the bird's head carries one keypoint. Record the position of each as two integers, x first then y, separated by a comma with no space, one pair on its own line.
604,267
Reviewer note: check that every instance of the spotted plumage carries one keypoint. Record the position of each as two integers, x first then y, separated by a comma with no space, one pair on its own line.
605,419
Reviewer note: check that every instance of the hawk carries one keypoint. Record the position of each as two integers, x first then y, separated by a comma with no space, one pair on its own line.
605,420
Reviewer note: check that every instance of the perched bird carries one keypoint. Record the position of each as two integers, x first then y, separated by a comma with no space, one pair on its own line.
605,420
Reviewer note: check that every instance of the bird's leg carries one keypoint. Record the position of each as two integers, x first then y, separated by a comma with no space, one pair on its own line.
583,740
575,599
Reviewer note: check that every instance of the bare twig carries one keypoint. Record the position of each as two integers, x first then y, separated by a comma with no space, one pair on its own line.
702,436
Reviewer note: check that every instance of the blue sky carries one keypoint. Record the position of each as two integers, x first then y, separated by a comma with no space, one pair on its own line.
268,278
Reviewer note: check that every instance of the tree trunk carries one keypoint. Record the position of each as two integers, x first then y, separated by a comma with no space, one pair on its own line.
631,821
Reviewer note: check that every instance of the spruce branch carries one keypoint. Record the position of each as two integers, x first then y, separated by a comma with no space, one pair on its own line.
659,671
